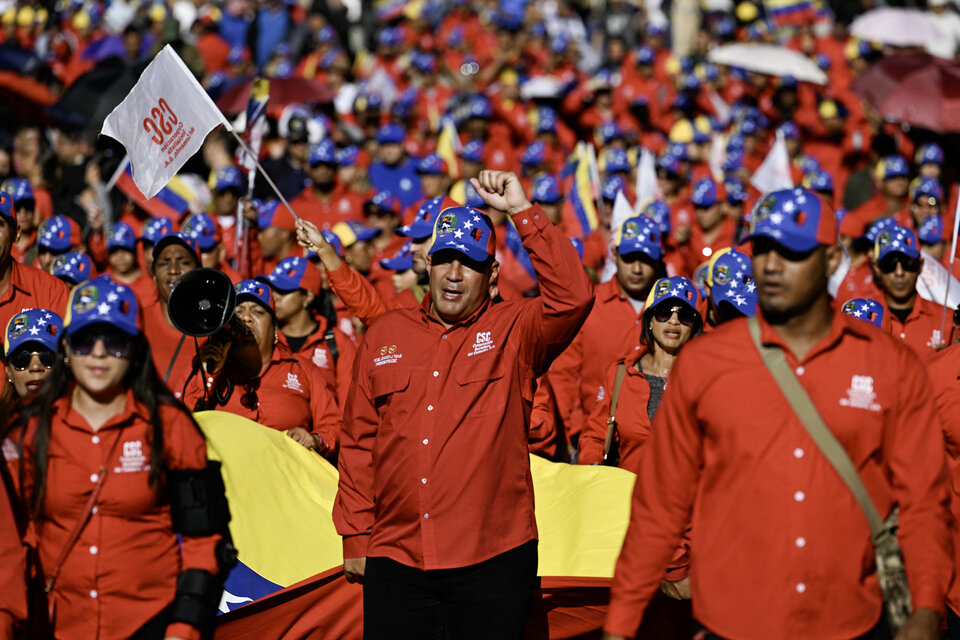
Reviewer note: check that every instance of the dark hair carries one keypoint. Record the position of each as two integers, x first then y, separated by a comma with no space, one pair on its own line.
646,333
141,378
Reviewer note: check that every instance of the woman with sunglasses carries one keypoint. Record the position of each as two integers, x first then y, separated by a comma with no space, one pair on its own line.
29,349
669,321
106,449
282,393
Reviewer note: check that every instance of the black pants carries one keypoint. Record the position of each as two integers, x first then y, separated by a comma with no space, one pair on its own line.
879,632
489,600
953,624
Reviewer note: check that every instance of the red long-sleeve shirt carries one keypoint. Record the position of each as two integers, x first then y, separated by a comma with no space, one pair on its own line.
288,394
31,288
921,329
316,353
123,569
432,409
13,605
779,546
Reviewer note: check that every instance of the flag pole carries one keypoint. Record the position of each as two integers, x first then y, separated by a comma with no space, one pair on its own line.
264,174
953,256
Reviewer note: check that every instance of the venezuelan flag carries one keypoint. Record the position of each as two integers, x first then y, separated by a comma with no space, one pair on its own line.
289,582
581,193
448,144
790,12
168,203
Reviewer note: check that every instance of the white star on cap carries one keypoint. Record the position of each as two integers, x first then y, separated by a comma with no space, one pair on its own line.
738,275
458,234
460,246
476,218
48,316
41,322
34,331
789,206
776,218
801,198
857,313
103,308
121,289
740,300
468,224
112,297
732,291
751,287
674,291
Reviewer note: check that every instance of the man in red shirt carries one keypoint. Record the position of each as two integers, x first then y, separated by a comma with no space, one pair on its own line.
892,175
896,268
325,201
444,541
779,547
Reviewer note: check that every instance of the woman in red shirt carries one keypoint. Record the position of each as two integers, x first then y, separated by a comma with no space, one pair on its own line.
275,389
113,469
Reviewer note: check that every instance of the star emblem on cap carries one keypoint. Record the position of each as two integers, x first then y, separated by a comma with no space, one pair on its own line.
468,224
41,322
751,287
112,297
103,309
740,300
34,330
458,234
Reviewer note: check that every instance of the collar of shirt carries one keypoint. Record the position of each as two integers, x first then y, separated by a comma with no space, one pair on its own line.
840,324
72,418
921,308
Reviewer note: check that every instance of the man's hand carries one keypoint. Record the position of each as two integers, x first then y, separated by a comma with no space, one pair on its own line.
353,569
501,190
250,211
679,590
310,238
213,355
302,436
923,624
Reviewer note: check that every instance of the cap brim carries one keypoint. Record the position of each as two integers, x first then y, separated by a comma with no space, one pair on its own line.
416,230
472,252
397,264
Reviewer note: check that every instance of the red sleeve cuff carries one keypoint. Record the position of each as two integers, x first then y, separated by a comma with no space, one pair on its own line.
182,630
356,546
928,597
530,220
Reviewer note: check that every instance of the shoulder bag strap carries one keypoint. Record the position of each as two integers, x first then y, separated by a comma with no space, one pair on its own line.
828,444
614,399
84,516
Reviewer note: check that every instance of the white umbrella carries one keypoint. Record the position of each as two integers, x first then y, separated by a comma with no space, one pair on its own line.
898,27
768,59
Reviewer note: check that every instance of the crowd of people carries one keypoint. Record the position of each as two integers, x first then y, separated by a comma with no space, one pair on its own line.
461,169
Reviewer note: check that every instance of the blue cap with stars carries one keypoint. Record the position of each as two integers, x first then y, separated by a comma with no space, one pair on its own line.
660,211
928,188
535,153
72,267
611,186
879,225
929,153
20,189
228,178
639,234
931,230
102,301
32,326
896,240
324,152
616,161
472,151
677,288
422,225
866,309
730,278
400,261
256,291
467,231
700,279
819,181
796,219
704,193
121,237
156,228
546,190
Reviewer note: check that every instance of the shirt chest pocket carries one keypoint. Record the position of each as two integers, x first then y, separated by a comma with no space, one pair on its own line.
384,384
480,386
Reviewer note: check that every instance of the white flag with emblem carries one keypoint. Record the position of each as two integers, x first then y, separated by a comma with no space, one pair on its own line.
648,188
162,121
774,172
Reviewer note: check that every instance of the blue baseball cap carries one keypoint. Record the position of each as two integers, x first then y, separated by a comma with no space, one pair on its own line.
121,237
293,273
866,309
670,164
102,301
391,133
156,228
929,153
616,161
58,234
184,241
424,62
610,131
432,165
400,261
797,219
678,150
736,194
324,152
472,151
6,207
645,55
704,193
926,187
733,160
892,167
807,164
874,229
347,157
473,198
334,241
896,240
228,178
677,288
272,214
351,232
546,190
32,326
612,184
659,211
730,278
422,225
790,130
546,120
931,230
819,181
535,153
467,231
480,108
20,189
203,229
383,201
639,234
700,279
389,37
72,267
256,291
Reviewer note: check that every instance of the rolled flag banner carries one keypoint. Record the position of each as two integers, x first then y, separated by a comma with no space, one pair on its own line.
774,172
621,211
648,188
581,193
163,121
256,116
448,146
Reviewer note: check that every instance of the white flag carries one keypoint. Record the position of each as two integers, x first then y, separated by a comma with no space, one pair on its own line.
162,121
774,172
622,211
648,188
933,282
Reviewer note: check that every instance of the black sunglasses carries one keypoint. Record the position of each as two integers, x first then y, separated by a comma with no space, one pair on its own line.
116,343
686,315
889,264
21,358
250,400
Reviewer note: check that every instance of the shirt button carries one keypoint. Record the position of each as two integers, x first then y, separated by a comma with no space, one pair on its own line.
801,542
426,516
801,587
524,221
799,371
903,335
444,336
95,439
94,477
93,593
799,496
423,480
436,373
430,407
94,510
798,453
426,441
93,550
707,251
